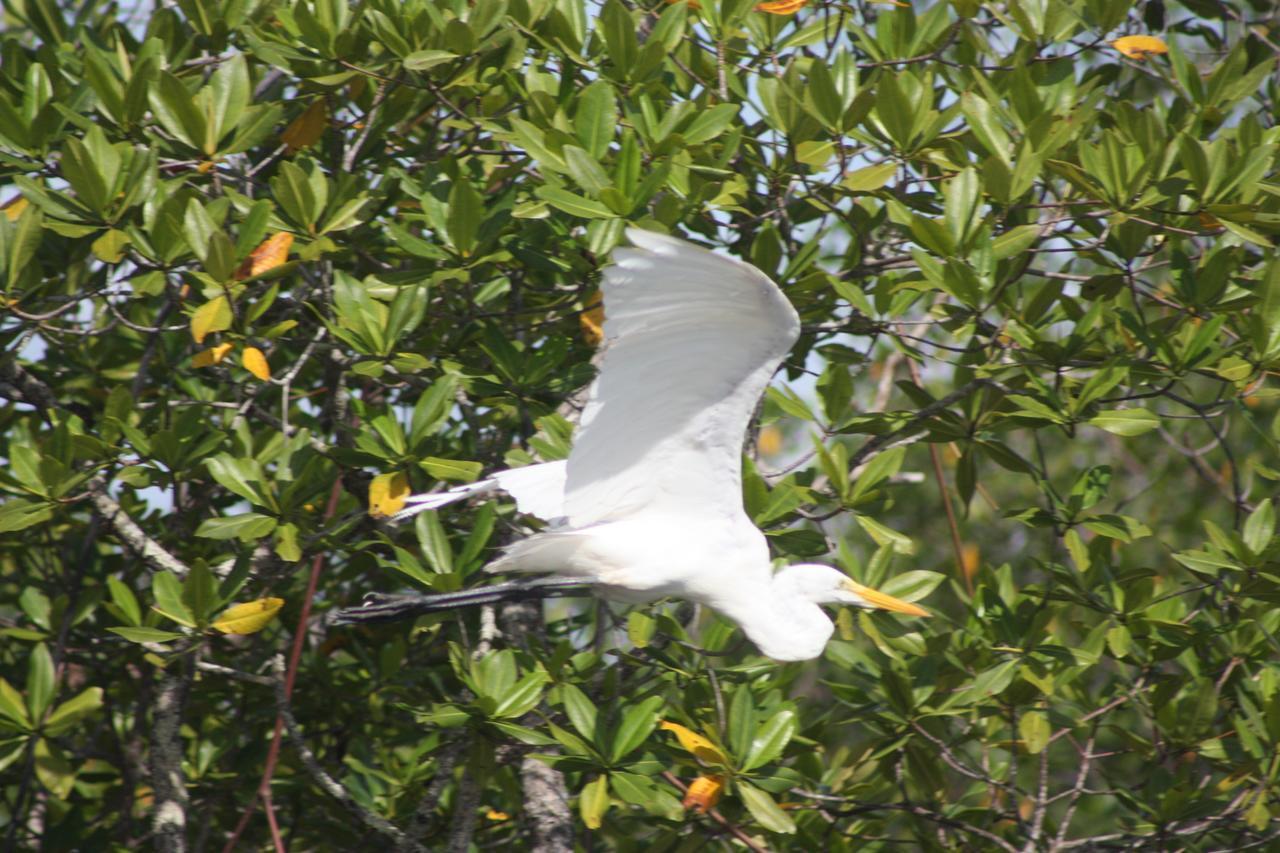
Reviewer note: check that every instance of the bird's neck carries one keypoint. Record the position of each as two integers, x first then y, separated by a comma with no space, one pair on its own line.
782,625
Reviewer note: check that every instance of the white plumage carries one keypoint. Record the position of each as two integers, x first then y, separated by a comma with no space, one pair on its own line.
649,503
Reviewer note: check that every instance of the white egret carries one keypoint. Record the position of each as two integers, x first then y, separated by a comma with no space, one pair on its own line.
649,503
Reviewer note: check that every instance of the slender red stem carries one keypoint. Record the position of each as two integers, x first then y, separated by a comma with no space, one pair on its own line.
295,654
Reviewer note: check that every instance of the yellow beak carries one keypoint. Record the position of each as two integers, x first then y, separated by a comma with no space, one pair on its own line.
886,602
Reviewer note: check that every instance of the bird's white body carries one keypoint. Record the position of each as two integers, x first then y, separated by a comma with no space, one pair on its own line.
649,503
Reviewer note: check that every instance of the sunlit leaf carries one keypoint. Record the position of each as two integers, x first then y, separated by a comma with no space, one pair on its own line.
1139,47
703,793
695,744
213,316
211,356
254,361
249,617
592,320
269,254
387,493
782,7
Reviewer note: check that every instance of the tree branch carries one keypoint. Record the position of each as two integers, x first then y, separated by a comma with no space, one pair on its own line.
151,551
331,786
169,820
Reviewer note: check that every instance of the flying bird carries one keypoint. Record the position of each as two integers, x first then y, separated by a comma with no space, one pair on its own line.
649,503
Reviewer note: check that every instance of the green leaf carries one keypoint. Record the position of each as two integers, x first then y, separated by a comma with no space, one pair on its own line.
522,697
451,469
1259,527
287,547
771,739
593,802
1203,561
885,536
913,585
764,809
167,590
434,542
200,592
572,204
41,681
53,770
13,706
146,635
710,123
466,212
596,118
20,513
1033,727
870,178
638,722
1126,422
422,60
71,712
247,527
176,110
579,709
230,91
640,628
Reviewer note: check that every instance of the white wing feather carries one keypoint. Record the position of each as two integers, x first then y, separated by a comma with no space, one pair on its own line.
692,339
538,490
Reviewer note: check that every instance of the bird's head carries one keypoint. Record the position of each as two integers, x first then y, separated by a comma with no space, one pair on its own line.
826,585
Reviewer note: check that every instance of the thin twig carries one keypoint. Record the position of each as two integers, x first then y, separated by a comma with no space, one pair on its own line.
330,785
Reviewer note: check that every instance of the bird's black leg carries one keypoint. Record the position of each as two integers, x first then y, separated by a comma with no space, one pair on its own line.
384,607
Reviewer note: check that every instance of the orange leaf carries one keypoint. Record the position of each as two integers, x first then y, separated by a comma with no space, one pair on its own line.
271,253
387,493
703,794
210,357
255,362
306,128
213,316
1139,47
694,743
248,618
970,559
781,7
592,320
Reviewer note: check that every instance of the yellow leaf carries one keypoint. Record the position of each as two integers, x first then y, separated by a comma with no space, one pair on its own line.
271,253
769,441
703,794
1139,47
696,744
211,356
387,493
781,7
494,814
592,320
13,207
248,618
213,316
306,128
206,167
255,362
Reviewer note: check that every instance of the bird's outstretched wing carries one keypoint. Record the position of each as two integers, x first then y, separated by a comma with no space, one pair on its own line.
692,339
538,490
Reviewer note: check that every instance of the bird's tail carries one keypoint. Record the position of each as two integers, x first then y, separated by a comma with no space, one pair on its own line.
553,551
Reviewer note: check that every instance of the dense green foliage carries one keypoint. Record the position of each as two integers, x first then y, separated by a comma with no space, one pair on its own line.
1033,272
